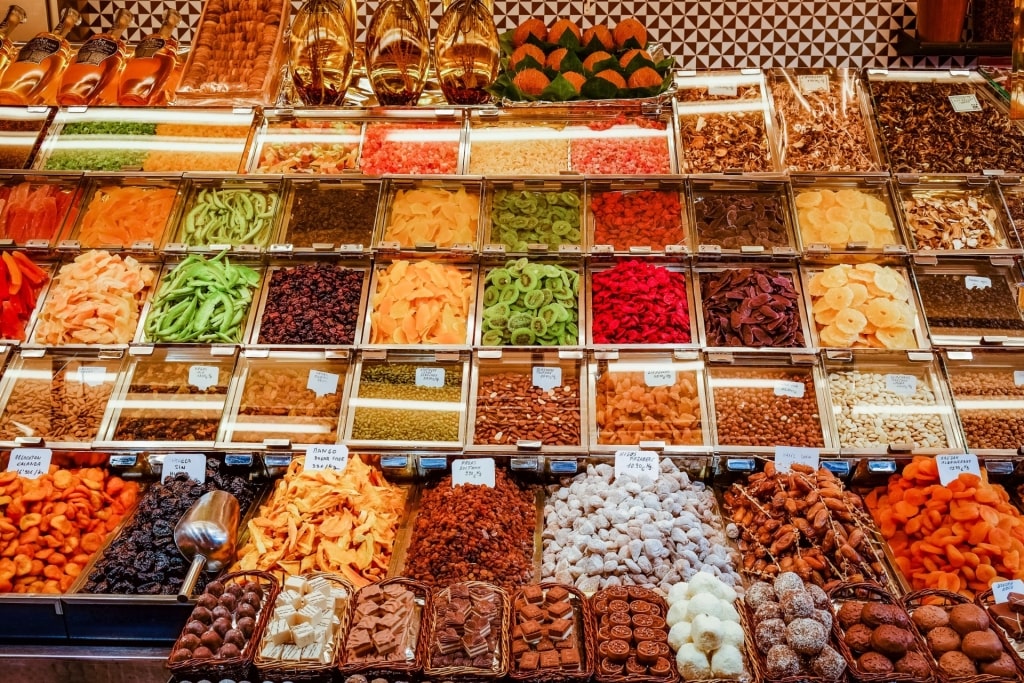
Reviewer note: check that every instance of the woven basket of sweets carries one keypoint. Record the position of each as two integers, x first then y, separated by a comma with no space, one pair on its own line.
628,654
962,658
551,599
389,630
1009,625
854,595
470,632
759,660
224,630
306,628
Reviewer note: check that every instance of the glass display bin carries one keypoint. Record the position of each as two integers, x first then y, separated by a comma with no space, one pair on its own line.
517,143
286,398
309,142
36,207
527,402
988,393
125,213
824,120
57,399
759,402
751,305
943,122
890,402
652,400
325,215
22,129
412,142
971,302
1012,190
739,218
436,217
863,304
640,302
240,214
955,216
408,400
539,216
846,214
155,140
169,398
725,123
638,217
416,302
19,311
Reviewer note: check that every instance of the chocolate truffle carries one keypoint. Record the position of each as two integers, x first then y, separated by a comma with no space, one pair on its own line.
787,582
849,613
781,662
212,640
202,614
858,637
956,664
767,610
189,641
824,617
914,664
769,633
1000,667
877,613
982,646
966,617
806,636
760,592
928,617
215,588
942,639
229,651
829,664
797,605
891,640
874,663
196,628
819,596
203,652
180,655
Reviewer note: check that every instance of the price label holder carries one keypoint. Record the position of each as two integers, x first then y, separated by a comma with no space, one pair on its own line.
203,377
1001,590
659,378
901,385
432,378
636,463
326,457
322,383
963,104
977,282
547,377
952,466
92,375
30,463
813,83
192,464
478,471
722,90
787,456
790,389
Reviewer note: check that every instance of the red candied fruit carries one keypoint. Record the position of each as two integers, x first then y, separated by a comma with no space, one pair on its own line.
635,152
646,218
415,149
640,303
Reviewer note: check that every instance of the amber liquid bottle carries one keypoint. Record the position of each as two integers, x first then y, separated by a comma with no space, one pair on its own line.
40,63
322,51
397,52
96,65
466,52
15,15
146,73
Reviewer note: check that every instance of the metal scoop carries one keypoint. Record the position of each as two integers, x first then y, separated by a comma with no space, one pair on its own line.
205,535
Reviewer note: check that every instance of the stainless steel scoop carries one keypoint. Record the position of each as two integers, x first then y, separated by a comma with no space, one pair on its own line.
206,536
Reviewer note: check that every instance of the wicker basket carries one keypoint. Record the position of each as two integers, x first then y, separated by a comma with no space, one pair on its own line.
629,594
586,635
305,672
984,600
947,600
500,666
236,667
391,669
872,592
759,664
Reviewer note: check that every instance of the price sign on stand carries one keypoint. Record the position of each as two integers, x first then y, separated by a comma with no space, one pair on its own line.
202,377
636,463
430,377
547,378
322,383
30,463
1001,590
952,466
787,456
192,464
790,389
659,378
326,457
479,471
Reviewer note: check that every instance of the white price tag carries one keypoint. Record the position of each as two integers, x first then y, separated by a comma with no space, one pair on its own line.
30,463
327,457
322,383
479,471
790,389
787,456
813,83
636,463
203,377
977,282
659,378
1001,590
192,464
547,378
92,375
722,90
430,377
952,466
902,385
964,103
1018,377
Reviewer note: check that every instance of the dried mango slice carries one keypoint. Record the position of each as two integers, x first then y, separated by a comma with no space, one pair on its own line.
421,302
433,214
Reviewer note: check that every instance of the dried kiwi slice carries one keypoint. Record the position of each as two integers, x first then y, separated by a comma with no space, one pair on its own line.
522,336
492,338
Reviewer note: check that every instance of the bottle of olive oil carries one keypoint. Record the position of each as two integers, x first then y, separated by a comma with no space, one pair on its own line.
466,52
397,52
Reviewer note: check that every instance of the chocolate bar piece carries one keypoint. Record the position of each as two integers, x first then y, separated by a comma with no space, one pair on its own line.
556,594
529,661
533,594
560,629
560,610
570,658
550,660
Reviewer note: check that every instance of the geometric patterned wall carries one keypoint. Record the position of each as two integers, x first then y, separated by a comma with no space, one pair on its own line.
708,34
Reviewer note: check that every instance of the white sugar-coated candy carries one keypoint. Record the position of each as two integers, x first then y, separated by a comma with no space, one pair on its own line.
677,592
732,634
727,662
678,635
693,664
729,612
706,632
677,612
703,582
704,603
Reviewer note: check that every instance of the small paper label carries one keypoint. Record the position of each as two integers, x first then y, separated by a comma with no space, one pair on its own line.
203,377
813,83
328,457
952,466
659,378
977,282
1018,377
964,103
636,463
901,385
192,464
722,90
123,460
92,375
430,377
787,456
1001,590
547,378
30,463
790,389
479,471
322,383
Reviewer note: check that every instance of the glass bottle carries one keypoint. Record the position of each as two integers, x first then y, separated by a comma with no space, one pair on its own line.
397,52
15,15
489,4
323,50
96,65
39,64
149,67
466,52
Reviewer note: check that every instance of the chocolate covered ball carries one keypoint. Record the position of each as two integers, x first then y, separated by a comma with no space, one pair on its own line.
244,610
874,663
769,633
246,625
914,664
982,646
787,582
252,598
203,652
1003,666
228,602
828,664
806,636
877,613
849,613
858,637
228,651
235,590
819,596
212,640
942,639
215,588
221,612
180,655
253,587
891,640
189,641
956,664
767,610
781,662
966,617
202,614
759,593
195,627
206,600
928,617
221,626
234,637
797,605
824,617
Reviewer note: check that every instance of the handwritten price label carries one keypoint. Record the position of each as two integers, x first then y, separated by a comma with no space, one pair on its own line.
330,457
963,104
202,377
30,463
479,471
722,90
92,375
192,464
977,282
547,378
902,385
322,383
430,377
813,83
787,456
659,378
790,389
636,463
952,466
1001,590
